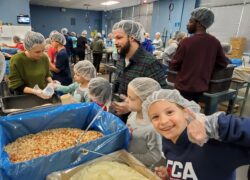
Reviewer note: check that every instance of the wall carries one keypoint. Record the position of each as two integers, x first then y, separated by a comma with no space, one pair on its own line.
141,13
238,26
9,9
179,16
154,16
45,19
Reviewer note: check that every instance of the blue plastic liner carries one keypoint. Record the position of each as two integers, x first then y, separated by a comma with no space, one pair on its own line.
9,50
116,136
237,62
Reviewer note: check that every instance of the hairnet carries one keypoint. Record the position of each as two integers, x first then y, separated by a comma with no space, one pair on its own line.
132,28
204,15
100,90
86,69
47,41
73,34
169,95
32,39
180,35
158,33
58,37
98,35
84,32
144,86
53,32
64,31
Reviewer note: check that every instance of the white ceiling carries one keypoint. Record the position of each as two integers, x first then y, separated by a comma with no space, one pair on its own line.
87,4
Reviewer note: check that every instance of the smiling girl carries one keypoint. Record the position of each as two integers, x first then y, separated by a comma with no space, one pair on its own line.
228,146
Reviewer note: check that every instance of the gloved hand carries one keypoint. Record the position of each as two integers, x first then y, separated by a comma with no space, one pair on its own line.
201,127
196,128
162,172
54,84
40,93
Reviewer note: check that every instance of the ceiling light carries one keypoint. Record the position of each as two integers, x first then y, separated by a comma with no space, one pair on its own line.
109,3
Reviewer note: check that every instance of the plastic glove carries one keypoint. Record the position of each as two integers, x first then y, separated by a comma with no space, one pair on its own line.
211,125
40,93
162,172
121,107
49,91
196,128
54,84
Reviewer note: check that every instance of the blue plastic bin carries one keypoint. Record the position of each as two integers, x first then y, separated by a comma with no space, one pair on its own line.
116,136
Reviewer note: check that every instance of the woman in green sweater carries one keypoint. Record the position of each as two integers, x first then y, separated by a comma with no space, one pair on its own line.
30,67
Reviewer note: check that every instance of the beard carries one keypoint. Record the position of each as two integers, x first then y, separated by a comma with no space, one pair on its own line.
191,29
124,50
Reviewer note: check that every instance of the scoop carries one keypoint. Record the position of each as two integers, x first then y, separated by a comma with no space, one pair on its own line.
78,141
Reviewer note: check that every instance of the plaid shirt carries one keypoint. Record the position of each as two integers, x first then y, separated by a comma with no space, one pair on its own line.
142,64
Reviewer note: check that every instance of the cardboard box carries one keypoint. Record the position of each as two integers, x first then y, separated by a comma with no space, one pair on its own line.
238,40
120,156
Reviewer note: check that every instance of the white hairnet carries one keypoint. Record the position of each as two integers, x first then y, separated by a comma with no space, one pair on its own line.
47,41
86,69
204,15
98,35
169,95
144,86
73,34
180,36
53,32
64,31
158,33
132,28
58,37
100,90
32,39
84,32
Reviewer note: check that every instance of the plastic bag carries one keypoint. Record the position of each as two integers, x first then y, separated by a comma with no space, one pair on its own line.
116,136
48,90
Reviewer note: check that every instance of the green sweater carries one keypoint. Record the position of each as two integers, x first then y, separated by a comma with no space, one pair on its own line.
97,46
28,72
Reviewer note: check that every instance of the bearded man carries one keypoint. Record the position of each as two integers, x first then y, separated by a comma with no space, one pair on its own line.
197,56
134,62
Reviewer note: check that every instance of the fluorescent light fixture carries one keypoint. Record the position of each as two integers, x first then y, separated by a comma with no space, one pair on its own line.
109,3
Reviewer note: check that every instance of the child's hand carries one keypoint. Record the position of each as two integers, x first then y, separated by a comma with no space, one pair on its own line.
54,84
162,172
196,128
